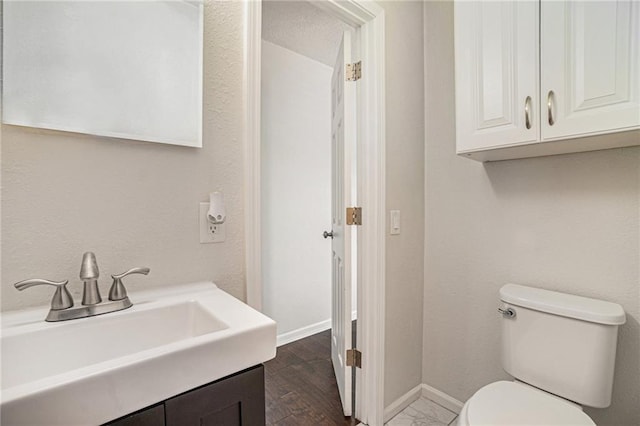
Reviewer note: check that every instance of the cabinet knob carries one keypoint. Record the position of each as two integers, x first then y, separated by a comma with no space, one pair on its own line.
550,97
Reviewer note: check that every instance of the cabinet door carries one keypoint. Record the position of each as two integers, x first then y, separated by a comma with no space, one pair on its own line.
234,401
152,416
589,67
496,48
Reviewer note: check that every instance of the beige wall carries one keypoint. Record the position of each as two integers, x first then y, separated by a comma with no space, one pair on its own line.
132,203
568,223
136,203
405,192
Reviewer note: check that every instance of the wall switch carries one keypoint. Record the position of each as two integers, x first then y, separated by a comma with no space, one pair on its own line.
394,222
210,232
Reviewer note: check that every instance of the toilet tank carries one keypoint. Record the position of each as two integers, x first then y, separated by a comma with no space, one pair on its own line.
561,343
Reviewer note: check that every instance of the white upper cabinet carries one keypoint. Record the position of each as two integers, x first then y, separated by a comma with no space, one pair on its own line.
540,78
589,63
496,73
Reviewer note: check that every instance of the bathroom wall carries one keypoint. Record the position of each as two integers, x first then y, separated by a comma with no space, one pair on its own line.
136,203
405,192
296,189
132,203
568,223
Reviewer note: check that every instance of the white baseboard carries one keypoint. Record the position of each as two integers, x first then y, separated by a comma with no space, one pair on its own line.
401,403
429,392
441,398
301,333
306,331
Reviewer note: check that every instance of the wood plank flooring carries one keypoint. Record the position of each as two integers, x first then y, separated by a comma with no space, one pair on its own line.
301,387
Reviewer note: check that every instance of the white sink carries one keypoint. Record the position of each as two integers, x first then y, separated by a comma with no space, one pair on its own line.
92,370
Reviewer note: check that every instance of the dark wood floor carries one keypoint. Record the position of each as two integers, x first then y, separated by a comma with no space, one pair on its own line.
301,386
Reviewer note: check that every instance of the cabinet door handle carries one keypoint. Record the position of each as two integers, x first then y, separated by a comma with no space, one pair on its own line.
527,109
549,107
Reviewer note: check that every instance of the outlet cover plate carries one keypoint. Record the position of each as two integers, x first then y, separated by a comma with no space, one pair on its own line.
209,232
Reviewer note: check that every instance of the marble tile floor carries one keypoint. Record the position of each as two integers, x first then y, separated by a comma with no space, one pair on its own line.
423,412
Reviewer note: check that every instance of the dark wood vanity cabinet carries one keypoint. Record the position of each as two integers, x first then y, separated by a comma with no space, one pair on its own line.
233,401
150,416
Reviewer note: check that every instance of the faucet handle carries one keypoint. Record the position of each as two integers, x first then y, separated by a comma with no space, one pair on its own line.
61,298
117,291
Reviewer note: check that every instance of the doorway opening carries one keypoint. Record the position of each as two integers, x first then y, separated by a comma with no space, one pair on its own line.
299,47
368,20
308,138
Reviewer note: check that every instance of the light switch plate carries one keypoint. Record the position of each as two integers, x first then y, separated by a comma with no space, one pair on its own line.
394,222
210,232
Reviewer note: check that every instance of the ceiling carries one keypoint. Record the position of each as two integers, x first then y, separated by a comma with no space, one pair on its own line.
303,28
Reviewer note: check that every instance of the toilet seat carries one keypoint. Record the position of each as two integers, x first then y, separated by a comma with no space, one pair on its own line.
513,403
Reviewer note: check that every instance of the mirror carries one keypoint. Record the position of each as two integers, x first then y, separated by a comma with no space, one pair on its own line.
124,69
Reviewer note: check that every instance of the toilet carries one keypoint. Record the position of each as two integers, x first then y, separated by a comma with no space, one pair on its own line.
561,351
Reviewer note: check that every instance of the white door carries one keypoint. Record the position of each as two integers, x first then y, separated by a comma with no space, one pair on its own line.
496,49
343,127
590,68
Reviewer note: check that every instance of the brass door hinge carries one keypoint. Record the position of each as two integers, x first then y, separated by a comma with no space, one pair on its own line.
353,71
354,215
354,358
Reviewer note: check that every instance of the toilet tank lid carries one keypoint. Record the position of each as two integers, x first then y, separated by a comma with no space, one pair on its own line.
566,305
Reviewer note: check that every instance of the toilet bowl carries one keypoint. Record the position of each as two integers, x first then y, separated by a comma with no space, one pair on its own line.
513,403
560,349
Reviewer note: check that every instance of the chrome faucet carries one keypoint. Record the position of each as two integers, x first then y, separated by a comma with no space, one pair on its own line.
62,302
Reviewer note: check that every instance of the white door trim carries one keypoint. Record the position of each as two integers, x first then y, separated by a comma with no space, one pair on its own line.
371,197
369,18
251,131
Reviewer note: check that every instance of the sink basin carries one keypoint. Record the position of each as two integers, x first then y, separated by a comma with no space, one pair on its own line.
92,370
105,338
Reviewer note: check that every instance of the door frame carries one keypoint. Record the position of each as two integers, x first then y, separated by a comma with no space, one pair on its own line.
368,18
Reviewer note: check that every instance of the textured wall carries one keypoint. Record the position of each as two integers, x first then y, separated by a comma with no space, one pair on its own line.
568,223
132,203
405,192
296,188
303,28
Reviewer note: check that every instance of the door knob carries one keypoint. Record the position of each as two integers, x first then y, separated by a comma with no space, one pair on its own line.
328,234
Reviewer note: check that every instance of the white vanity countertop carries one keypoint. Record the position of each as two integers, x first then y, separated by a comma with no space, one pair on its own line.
93,370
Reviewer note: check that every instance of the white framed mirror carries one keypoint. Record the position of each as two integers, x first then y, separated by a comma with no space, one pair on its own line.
124,69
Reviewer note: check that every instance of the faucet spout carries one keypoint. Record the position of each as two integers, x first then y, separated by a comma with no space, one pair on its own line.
89,274
89,267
